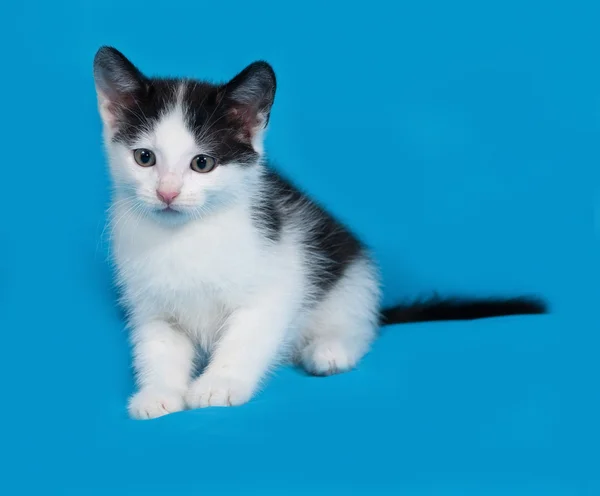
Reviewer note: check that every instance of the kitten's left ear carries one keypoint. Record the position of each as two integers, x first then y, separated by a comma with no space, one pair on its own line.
250,97
118,82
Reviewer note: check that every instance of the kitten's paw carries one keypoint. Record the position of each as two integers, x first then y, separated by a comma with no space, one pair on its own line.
152,403
214,390
327,358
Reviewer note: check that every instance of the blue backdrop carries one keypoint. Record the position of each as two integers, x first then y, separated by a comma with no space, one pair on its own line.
459,139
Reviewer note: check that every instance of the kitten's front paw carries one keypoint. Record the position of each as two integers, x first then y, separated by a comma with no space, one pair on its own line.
214,390
152,403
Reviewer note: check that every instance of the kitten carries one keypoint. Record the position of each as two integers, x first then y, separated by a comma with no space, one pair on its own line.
219,256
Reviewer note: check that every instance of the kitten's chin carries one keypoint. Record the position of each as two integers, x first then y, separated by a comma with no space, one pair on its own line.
170,216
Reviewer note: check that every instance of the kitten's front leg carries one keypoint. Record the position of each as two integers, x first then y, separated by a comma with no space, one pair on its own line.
248,348
162,359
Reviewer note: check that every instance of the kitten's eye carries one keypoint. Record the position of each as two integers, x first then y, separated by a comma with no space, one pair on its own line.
203,163
144,157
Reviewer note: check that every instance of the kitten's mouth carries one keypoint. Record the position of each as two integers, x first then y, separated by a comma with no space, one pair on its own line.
169,215
168,210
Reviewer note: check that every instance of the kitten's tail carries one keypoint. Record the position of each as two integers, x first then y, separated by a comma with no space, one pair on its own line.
436,308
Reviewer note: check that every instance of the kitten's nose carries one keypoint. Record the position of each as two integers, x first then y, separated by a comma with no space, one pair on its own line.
167,196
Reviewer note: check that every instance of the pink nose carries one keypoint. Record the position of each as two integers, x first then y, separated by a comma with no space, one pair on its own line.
167,196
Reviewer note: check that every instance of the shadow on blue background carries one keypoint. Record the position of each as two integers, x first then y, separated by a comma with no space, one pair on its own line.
460,140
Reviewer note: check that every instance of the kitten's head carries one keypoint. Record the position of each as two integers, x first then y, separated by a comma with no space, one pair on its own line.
178,147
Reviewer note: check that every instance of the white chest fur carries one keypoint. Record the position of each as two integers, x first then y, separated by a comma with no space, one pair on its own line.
194,274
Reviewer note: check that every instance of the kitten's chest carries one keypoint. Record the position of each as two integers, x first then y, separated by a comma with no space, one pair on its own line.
196,274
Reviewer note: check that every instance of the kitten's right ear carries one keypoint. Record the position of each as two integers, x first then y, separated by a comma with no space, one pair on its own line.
117,82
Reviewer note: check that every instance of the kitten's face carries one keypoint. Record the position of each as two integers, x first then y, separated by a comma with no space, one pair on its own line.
178,147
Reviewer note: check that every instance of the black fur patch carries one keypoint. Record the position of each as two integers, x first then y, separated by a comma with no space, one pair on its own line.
142,111
208,115
267,217
331,245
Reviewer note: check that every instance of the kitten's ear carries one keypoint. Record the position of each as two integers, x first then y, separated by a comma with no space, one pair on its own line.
117,82
250,97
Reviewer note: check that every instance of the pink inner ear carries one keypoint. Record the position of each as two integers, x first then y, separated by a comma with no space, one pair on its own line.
246,117
110,108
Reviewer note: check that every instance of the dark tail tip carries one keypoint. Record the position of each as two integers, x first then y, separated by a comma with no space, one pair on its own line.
436,309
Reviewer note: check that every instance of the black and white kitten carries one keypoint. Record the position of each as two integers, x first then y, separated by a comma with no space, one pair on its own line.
217,253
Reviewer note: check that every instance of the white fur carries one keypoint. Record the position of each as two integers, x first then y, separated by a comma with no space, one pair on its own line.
340,329
212,282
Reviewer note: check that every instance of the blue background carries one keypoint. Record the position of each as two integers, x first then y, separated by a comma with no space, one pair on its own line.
459,139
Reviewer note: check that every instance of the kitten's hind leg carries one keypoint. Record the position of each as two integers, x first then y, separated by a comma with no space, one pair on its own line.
343,325
330,356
